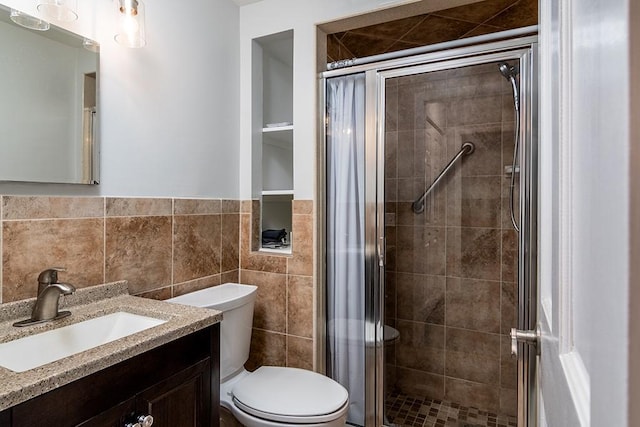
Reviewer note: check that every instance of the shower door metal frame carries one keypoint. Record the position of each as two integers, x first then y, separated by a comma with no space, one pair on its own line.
525,51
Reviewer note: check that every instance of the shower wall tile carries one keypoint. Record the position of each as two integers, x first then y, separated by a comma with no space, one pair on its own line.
508,365
469,393
473,304
138,249
391,106
102,239
480,343
509,307
484,369
406,153
509,255
486,160
391,154
474,111
421,250
476,85
473,253
454,265
406,106
421,347
509,401
506,202
420,383
421,298
474,201
390,297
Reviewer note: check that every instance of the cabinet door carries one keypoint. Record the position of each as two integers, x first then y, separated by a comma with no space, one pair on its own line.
179,400
113,417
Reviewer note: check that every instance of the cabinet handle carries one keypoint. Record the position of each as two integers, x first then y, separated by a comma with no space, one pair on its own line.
145,420
141,421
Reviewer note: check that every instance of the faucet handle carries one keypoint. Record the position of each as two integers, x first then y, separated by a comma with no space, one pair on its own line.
50,275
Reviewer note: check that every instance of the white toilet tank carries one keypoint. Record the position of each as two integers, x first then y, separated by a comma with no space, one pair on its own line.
236,302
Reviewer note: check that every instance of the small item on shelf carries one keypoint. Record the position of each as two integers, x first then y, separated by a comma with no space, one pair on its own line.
279,125
274,238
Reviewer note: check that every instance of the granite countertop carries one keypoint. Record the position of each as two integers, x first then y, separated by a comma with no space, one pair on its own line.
88,303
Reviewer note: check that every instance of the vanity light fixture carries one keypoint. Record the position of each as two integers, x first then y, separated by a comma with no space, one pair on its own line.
91,45
130,23
59,10
28,21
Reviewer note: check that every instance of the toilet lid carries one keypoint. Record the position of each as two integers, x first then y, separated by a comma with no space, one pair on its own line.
290,394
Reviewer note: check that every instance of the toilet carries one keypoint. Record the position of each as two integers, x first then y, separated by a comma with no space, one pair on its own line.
269,396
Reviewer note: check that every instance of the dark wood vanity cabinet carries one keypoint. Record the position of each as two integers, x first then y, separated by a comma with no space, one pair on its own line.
177,384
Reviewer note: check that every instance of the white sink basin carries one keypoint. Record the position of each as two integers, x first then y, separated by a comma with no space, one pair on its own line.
36,350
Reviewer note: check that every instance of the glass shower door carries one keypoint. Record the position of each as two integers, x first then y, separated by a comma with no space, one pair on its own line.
451,261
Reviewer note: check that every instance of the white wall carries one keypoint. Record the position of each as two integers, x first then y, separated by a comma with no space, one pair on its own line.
274,16
169,112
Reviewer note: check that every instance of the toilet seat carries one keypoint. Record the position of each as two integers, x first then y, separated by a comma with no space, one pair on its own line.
290,396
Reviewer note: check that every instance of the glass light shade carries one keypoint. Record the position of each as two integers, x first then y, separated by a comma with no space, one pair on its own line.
91,45
130,24
29,21
59,10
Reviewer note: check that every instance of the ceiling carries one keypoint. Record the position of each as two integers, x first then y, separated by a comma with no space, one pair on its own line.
484,17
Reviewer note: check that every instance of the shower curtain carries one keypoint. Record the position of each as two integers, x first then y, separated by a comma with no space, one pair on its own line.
345,238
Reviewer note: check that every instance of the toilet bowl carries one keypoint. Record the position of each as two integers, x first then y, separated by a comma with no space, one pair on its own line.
270,396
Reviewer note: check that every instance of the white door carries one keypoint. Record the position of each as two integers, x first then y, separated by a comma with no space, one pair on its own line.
584,187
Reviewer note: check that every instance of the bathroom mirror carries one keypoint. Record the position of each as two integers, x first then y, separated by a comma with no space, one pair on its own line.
48,99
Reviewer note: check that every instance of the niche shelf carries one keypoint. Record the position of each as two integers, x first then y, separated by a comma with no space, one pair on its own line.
272,143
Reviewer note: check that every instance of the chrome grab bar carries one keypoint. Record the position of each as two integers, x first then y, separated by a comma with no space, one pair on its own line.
466,149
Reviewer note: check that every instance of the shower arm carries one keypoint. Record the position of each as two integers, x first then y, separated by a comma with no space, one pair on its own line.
466,149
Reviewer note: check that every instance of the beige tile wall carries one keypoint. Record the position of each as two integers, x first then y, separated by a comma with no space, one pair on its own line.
283,320
164,247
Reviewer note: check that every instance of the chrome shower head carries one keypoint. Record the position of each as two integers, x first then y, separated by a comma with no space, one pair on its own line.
510,74
507,71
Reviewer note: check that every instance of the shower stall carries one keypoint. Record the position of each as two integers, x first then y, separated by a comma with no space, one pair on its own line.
430,169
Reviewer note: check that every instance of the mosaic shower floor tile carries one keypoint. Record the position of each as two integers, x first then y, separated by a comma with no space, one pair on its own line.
410,411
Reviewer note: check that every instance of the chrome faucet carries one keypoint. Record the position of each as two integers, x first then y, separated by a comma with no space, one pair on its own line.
47,304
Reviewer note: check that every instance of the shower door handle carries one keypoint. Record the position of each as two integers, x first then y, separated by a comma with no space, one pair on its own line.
531,337
381,252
